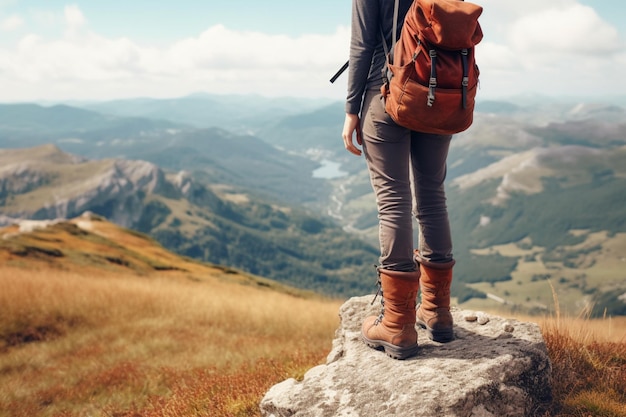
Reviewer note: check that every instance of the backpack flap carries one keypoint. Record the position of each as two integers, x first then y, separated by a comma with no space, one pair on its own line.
449,24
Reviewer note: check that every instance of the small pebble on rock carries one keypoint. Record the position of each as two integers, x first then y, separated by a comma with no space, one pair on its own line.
471,317
508,327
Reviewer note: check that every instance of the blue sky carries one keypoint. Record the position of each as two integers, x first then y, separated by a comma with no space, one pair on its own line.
87,49
171,20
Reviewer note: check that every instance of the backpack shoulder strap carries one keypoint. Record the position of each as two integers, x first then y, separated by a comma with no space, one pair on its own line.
394,33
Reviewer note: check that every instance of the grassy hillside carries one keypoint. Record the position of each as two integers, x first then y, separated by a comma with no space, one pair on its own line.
98,320
101,321
539,218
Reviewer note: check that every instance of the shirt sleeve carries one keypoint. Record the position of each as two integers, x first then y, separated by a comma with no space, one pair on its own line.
365,36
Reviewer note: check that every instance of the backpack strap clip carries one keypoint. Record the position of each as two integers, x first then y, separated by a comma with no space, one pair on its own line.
432,82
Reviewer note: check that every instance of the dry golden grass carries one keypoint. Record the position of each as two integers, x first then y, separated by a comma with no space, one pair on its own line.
114,325
82,345
133,345
588,366
101,321
588,359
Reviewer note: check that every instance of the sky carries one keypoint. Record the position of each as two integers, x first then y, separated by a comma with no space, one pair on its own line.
56,50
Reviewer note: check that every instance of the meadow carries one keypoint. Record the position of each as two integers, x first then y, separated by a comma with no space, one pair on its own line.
125,345
152,334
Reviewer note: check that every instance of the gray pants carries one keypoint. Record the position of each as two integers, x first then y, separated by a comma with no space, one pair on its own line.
407,171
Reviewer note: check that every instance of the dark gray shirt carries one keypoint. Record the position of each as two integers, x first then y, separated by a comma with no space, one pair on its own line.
367,56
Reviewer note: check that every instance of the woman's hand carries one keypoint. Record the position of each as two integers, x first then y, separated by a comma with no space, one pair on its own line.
352,126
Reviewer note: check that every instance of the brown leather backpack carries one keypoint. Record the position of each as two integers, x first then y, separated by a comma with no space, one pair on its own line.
431,73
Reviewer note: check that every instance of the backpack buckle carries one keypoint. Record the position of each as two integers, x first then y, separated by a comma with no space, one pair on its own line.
431,98
432,83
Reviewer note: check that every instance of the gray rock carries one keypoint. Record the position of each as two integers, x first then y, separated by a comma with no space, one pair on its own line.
483,319
497,369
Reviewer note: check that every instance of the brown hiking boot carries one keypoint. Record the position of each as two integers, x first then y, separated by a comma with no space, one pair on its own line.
433,313
394,329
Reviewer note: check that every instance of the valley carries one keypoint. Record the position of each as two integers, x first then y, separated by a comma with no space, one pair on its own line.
530,188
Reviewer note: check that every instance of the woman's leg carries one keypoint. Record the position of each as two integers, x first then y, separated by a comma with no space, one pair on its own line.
428,168
387,148
428,162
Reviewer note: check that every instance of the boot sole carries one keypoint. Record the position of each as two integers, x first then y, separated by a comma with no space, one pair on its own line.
393,351
441,336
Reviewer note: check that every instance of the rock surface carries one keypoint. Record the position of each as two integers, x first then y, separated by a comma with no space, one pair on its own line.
500,368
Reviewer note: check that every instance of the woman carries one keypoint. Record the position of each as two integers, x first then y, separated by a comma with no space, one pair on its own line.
407,171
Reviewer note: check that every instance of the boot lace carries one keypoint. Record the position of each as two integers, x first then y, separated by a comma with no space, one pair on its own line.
379,291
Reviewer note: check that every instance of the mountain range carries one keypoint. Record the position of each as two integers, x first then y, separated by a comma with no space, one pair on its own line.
230,228
535,191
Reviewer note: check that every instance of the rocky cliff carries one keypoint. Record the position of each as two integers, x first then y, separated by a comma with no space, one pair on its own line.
46,183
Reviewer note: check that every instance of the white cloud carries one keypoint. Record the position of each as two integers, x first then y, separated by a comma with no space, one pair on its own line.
557,47
219,48
82,63
11,23
545,47
498,57
74,17
573,30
